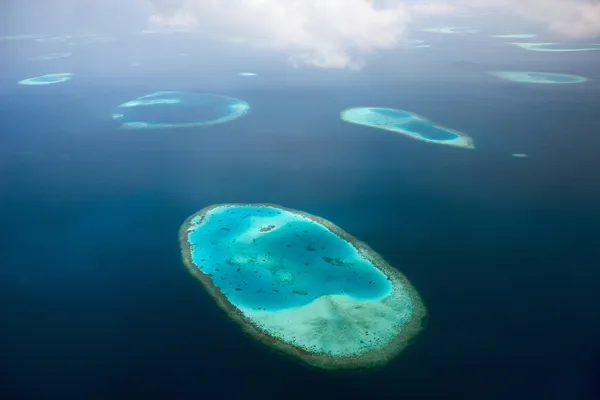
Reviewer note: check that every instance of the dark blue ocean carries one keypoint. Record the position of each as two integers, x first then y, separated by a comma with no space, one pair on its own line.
95,302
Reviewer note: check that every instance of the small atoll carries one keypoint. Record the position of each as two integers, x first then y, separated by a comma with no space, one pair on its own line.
51,56
538,77
451,30
301,285
77,39
164,110
516,36
47,79
414,44
408,124
556,47
10,38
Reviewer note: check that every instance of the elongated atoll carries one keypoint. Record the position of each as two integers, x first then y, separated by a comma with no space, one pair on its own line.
538,77
163,110
451,30
408,124
516,36
556,47
47,79
247,74
301,285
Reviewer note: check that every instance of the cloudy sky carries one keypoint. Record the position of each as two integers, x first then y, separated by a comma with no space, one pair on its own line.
321,33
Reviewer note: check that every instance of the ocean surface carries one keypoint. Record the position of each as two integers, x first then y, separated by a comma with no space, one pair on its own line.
95,302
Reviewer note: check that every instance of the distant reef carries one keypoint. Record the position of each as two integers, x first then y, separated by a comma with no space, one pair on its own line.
47,79
538,77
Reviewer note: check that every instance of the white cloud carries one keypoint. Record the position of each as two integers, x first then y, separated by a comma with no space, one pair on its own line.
341,33
322,33
575,18
570,18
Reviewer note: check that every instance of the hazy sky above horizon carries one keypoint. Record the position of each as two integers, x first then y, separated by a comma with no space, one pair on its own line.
319,33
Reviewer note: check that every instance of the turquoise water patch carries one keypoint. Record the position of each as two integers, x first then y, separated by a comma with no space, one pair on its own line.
47,79
271,259
557,47
538,77
406,123
179,110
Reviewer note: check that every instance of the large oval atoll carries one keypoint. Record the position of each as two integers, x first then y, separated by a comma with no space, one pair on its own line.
47,79
302,285
172,109
538,77
408,124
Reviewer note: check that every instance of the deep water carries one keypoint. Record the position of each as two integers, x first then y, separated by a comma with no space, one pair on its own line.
290,265
95,302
